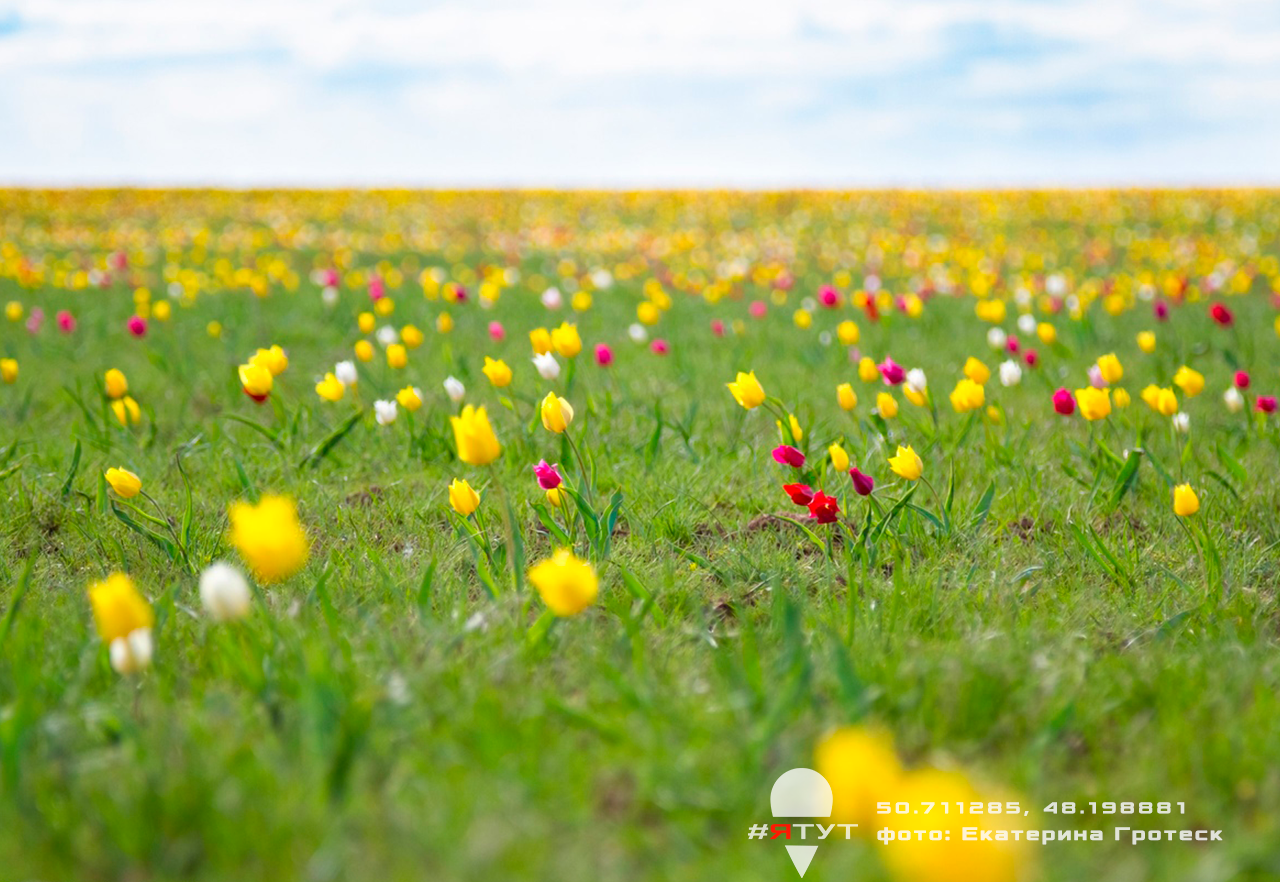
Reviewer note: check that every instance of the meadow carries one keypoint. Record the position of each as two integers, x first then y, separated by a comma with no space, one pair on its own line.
1036,613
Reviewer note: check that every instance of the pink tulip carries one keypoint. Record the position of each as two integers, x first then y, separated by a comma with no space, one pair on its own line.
604,355
137,325
496,331
1063,403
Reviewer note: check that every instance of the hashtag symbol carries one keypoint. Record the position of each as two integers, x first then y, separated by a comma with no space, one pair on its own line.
758,831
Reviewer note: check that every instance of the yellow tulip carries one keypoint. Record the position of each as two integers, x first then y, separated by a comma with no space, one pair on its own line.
411,336
565,340
647,313
847,398
118,608
976,371
554,496
1190,381
906,463
581,301
126,410
1166,402
384,306
557,414
444,323
540,340
1185,501
1095,404
886,405
1120,398
274,360
364,350
13,311
397,356
867,370
116,384
409,398
256,381
9,370
793,424
746,390
1110,368
803,319
331,388
839,459
477,444
848,332
862,768
968,395
1047,333
1147,342
366,321
126,484
463,498
269,537
497,371
566,584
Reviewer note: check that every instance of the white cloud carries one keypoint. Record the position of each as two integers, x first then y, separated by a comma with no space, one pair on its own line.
665,92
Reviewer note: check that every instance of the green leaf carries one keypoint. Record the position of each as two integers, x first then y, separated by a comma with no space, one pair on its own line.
879,528
1231,464
249,489
164,543
548,521
983,507
71,472
15,599
321,450
270,434
1124,480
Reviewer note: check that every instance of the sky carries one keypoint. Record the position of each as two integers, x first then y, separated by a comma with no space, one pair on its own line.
607,93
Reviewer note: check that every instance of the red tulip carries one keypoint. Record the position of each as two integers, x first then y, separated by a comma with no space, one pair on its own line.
137,325
1221,314
1161,310
1242,379
892,372
863,483
548,477
801,494
1031,357
1266,403
1063,403
788,455
604,355
823,507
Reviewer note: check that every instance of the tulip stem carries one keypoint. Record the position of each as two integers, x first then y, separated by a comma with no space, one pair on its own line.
582,468
177,540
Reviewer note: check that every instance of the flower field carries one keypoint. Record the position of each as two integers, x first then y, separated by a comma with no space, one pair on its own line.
532,535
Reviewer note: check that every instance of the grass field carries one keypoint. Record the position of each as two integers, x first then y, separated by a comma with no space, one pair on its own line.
1036,615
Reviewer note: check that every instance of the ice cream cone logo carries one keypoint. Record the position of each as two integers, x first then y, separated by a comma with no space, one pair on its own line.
801,793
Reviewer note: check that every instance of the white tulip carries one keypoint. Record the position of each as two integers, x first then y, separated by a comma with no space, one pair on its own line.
387,335
1233,399
551,298
455,390
384,412
547,365
1027,323
917,380
996,338
1010,373
345,371
224,592
1182,423
329,295
637,333
131,653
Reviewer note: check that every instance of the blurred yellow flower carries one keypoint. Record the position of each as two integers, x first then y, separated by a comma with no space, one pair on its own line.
269,537
364,350
116,384
886,405
473,435
1189,380
862,768
540,340
118,609
1095,404
331,388
566,584
565,340
9,370
1110,368
444,323
1185,501
839,458
867,370
126,410
1147,341
397,356
409,398
497,371
847,398
366,321
976,371
848,332
967,395
411,336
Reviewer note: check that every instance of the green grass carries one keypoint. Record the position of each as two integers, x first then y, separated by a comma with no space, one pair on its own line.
380,716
